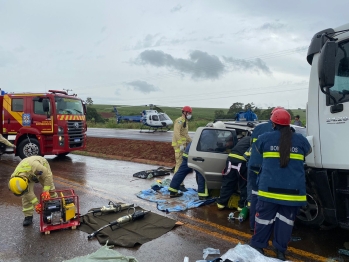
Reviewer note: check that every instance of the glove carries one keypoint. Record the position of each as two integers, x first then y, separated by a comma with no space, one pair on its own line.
181,148
45,195
38,208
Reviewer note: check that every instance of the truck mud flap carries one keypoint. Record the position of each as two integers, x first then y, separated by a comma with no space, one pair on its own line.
322,188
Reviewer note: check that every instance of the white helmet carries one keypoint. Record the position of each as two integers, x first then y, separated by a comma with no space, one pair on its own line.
219,124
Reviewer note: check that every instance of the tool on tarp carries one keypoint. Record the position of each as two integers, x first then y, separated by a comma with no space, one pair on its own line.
136,215
110,208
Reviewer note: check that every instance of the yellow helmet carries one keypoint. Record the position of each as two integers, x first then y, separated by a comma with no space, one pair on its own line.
18,185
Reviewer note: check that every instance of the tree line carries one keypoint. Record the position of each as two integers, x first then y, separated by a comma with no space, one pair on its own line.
262,114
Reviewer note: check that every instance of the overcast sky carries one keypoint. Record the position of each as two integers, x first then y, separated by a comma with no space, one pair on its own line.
173,53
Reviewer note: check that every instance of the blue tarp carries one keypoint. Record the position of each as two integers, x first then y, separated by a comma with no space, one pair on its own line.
189,199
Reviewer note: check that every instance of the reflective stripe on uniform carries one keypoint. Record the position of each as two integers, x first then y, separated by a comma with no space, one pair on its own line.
282,196
254,140
205,194
277,155
271,221
237,156
185,155
28,209
34,200
220,206
173,144
254,192
46,188
172,189
177,150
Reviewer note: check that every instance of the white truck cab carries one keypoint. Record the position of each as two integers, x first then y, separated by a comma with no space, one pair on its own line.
328,124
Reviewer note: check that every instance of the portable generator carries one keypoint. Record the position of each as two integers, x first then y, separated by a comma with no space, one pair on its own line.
59,212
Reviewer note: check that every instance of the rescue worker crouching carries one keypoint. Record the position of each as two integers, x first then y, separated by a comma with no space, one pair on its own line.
235,175
31,170
180,137
180,175
281,184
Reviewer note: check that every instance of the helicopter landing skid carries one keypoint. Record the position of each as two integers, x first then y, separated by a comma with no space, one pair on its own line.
150,129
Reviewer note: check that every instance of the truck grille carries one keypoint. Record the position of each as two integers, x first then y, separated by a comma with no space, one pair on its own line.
75,133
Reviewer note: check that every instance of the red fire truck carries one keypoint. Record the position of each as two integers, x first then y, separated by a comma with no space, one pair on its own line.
50,123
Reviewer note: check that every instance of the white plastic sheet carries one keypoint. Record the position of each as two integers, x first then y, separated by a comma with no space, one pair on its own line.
246,253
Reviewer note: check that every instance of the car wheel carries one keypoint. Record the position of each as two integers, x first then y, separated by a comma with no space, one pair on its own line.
312,213
29,147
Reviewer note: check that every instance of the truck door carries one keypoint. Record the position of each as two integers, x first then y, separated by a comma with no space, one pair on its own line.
209,151
334,127
13,117
39,119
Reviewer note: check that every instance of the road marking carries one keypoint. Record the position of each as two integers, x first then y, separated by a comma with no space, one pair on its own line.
293,250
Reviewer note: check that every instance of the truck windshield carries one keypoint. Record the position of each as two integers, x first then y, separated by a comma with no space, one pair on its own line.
340,90
68,106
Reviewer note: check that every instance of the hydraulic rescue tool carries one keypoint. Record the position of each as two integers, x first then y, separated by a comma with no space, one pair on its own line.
122,220
110,208
59,212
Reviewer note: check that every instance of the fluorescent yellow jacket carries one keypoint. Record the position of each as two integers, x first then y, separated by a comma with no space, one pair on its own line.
180,133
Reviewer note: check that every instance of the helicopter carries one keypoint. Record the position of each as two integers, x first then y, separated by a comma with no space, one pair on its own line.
152,119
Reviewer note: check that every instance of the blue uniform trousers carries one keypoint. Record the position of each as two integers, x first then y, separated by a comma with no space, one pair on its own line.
252,194
271,216
180,175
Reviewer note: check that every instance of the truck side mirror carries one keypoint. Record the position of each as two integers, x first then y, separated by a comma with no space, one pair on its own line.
85,109
326,64
45,105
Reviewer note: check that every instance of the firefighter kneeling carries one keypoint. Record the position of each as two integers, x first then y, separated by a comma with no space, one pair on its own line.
31,170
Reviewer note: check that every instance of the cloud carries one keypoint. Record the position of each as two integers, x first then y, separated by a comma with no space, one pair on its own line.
199,65
6,58
143,86
273,26
256,65
176,8
148,41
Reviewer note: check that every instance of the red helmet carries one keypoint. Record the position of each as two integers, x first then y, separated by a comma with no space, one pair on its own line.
281,117
187,109
276,108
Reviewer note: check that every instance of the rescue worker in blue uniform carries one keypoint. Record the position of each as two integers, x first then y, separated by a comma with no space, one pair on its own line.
180,175
281,183
254,167
235,174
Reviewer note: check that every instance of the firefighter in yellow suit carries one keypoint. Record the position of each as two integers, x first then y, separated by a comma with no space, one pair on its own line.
31,170
181,137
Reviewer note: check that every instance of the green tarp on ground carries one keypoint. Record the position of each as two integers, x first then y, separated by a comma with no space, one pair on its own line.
103,254
130,234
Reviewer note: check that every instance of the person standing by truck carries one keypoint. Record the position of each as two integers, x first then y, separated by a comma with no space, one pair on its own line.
180,137
31,170
254,167
281,185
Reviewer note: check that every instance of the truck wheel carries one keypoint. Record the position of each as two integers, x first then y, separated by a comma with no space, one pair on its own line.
311,214
29,147
63,154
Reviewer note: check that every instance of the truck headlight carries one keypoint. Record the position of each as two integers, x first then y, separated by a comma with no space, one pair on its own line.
60,138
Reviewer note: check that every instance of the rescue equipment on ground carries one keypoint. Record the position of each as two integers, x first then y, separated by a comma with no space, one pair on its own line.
110,208
241,217
59,212
136,215
161,171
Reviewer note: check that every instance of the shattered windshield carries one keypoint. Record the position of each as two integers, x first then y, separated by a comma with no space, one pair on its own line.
68,106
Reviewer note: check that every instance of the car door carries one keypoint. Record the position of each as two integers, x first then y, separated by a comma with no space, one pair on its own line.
209,151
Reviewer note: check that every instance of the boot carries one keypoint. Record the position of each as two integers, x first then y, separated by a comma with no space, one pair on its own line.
182,188
175,194
280,255
260,250
28,221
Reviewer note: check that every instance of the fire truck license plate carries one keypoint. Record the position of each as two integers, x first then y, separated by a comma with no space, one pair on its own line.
77,140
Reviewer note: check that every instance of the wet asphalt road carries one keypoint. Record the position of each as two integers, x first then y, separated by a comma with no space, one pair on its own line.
96,181
132,134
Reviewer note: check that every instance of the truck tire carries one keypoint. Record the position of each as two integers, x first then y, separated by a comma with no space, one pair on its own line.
312,214
29,147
